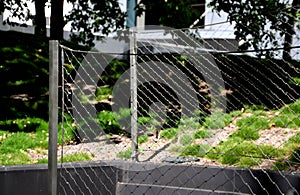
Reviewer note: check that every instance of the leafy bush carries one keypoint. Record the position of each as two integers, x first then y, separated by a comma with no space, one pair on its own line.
24,125
108,122
103,93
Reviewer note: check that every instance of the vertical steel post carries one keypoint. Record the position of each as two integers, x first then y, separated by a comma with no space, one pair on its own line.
53,116
133,91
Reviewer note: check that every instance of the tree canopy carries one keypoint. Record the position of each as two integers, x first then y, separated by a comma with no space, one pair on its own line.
259,22
172,13
86,17
94,16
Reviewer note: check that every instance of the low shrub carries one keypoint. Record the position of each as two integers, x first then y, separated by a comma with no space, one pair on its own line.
200,134
169,133
197,150
125,154
217,120
286,121
249,127
142,139
186,139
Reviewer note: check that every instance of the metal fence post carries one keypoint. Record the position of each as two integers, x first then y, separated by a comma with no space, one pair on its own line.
53,116
133,91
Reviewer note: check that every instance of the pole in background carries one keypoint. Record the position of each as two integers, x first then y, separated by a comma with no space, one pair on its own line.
53,116
131,14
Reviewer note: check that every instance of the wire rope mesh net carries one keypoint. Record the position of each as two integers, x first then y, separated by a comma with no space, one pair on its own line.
209,117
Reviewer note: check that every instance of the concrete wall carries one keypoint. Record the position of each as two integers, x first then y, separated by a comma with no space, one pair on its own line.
136,178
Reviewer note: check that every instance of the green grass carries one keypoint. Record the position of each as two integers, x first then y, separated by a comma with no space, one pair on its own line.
186,139
76,157
200,134
125,154
196,150
217,120
169,133
236,151
19,135
13,147
288,120
289,154
142,139
293,108
249,127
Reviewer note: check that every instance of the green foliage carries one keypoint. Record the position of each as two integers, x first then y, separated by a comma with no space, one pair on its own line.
175,13
14,145
248,162
296,80
76,157
169,133
236,151
92,16
23,76
236,113
142,139
248,133
295,156
191,123
217,120
293,108
143,120
24,125
108,122
291,151
15,158
258,35
186,139
113,71
125,154
286,121
202,134
197,150
249,127
258,110
103,93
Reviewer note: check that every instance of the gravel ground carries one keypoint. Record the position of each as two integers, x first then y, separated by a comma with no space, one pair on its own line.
157,150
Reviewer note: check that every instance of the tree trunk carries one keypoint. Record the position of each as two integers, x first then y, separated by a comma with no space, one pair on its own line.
57,20
288,40
40,18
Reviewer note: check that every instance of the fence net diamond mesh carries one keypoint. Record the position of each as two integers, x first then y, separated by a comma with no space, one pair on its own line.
166,111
